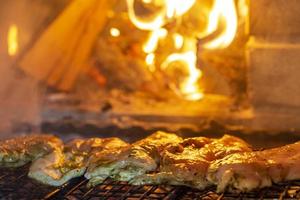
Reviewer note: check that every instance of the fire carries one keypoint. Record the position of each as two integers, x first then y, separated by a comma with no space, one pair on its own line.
151,45
243,8
150,24
177,8
222,13
178,40
188,88
12,40
115,32
150,60
171,9
226,12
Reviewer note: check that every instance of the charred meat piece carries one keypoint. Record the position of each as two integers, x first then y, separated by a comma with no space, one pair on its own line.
59,167
143,156
187,163
22,150
254,170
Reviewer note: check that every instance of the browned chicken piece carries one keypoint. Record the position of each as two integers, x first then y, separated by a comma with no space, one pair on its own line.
253,170
61,166
187,163
24,149
142,157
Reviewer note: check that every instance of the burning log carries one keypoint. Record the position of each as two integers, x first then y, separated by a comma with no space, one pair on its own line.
59,56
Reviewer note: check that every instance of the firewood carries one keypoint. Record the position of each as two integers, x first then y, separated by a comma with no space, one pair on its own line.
60,54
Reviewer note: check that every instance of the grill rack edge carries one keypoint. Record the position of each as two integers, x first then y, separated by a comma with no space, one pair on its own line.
14,184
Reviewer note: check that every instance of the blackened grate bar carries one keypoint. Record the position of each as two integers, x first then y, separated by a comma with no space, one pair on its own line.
14,184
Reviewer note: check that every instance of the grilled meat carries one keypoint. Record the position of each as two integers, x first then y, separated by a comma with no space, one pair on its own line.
60,166
143,156
102,163
187,163
251,170
22,150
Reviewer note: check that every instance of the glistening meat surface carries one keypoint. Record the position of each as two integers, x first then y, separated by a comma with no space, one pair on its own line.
60,166
143,156
22,150
186,163
252,170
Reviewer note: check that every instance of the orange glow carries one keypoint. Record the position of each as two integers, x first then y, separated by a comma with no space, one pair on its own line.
243,8
12,40
222,13
147,1
172,9
227,13
150,59
177,8
151,45
115,32
178,40
144,24
189,87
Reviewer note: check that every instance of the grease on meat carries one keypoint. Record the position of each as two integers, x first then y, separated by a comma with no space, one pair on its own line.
143,156
19,151
187,163
253,170
60,166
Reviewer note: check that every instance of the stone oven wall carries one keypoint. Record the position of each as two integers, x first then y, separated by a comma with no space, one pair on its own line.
273,56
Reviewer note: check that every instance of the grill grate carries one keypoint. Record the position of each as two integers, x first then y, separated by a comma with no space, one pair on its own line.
14,184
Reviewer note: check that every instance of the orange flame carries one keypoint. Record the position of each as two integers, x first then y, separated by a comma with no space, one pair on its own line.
151,24
178,40
115,32
12,40
189,87
177,8
243,8
151,45
226,12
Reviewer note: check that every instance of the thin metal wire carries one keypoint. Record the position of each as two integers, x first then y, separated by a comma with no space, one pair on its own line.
14,184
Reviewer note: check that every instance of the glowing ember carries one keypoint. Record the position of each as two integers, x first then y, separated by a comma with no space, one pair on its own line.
115,32
226,12
12,40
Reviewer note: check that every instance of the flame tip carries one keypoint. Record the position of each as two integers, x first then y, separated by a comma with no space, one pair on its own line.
12,40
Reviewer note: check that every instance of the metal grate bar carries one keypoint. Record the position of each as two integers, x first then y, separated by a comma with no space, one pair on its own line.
14,184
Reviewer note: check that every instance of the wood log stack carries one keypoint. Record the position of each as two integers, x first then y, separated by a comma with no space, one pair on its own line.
60,54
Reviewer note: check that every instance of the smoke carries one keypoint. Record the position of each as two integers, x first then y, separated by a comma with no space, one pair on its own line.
21,96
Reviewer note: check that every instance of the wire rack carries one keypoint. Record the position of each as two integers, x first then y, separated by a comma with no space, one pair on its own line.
14,184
